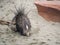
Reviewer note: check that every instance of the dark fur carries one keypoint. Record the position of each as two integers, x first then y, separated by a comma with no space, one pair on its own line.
21,22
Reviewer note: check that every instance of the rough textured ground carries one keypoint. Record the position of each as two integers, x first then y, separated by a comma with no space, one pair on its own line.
43,32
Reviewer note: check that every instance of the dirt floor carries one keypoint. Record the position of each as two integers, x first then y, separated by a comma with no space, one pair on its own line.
43,32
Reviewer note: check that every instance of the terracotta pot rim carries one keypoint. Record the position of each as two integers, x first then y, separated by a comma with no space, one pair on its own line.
50,4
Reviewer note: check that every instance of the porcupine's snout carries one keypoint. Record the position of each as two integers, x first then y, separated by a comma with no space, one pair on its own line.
26,31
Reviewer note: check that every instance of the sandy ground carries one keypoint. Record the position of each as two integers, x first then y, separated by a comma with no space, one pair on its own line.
43,32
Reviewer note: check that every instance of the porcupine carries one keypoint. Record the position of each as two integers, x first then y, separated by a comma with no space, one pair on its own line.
23,24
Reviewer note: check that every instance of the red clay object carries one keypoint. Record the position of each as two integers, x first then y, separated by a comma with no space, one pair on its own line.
50,10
